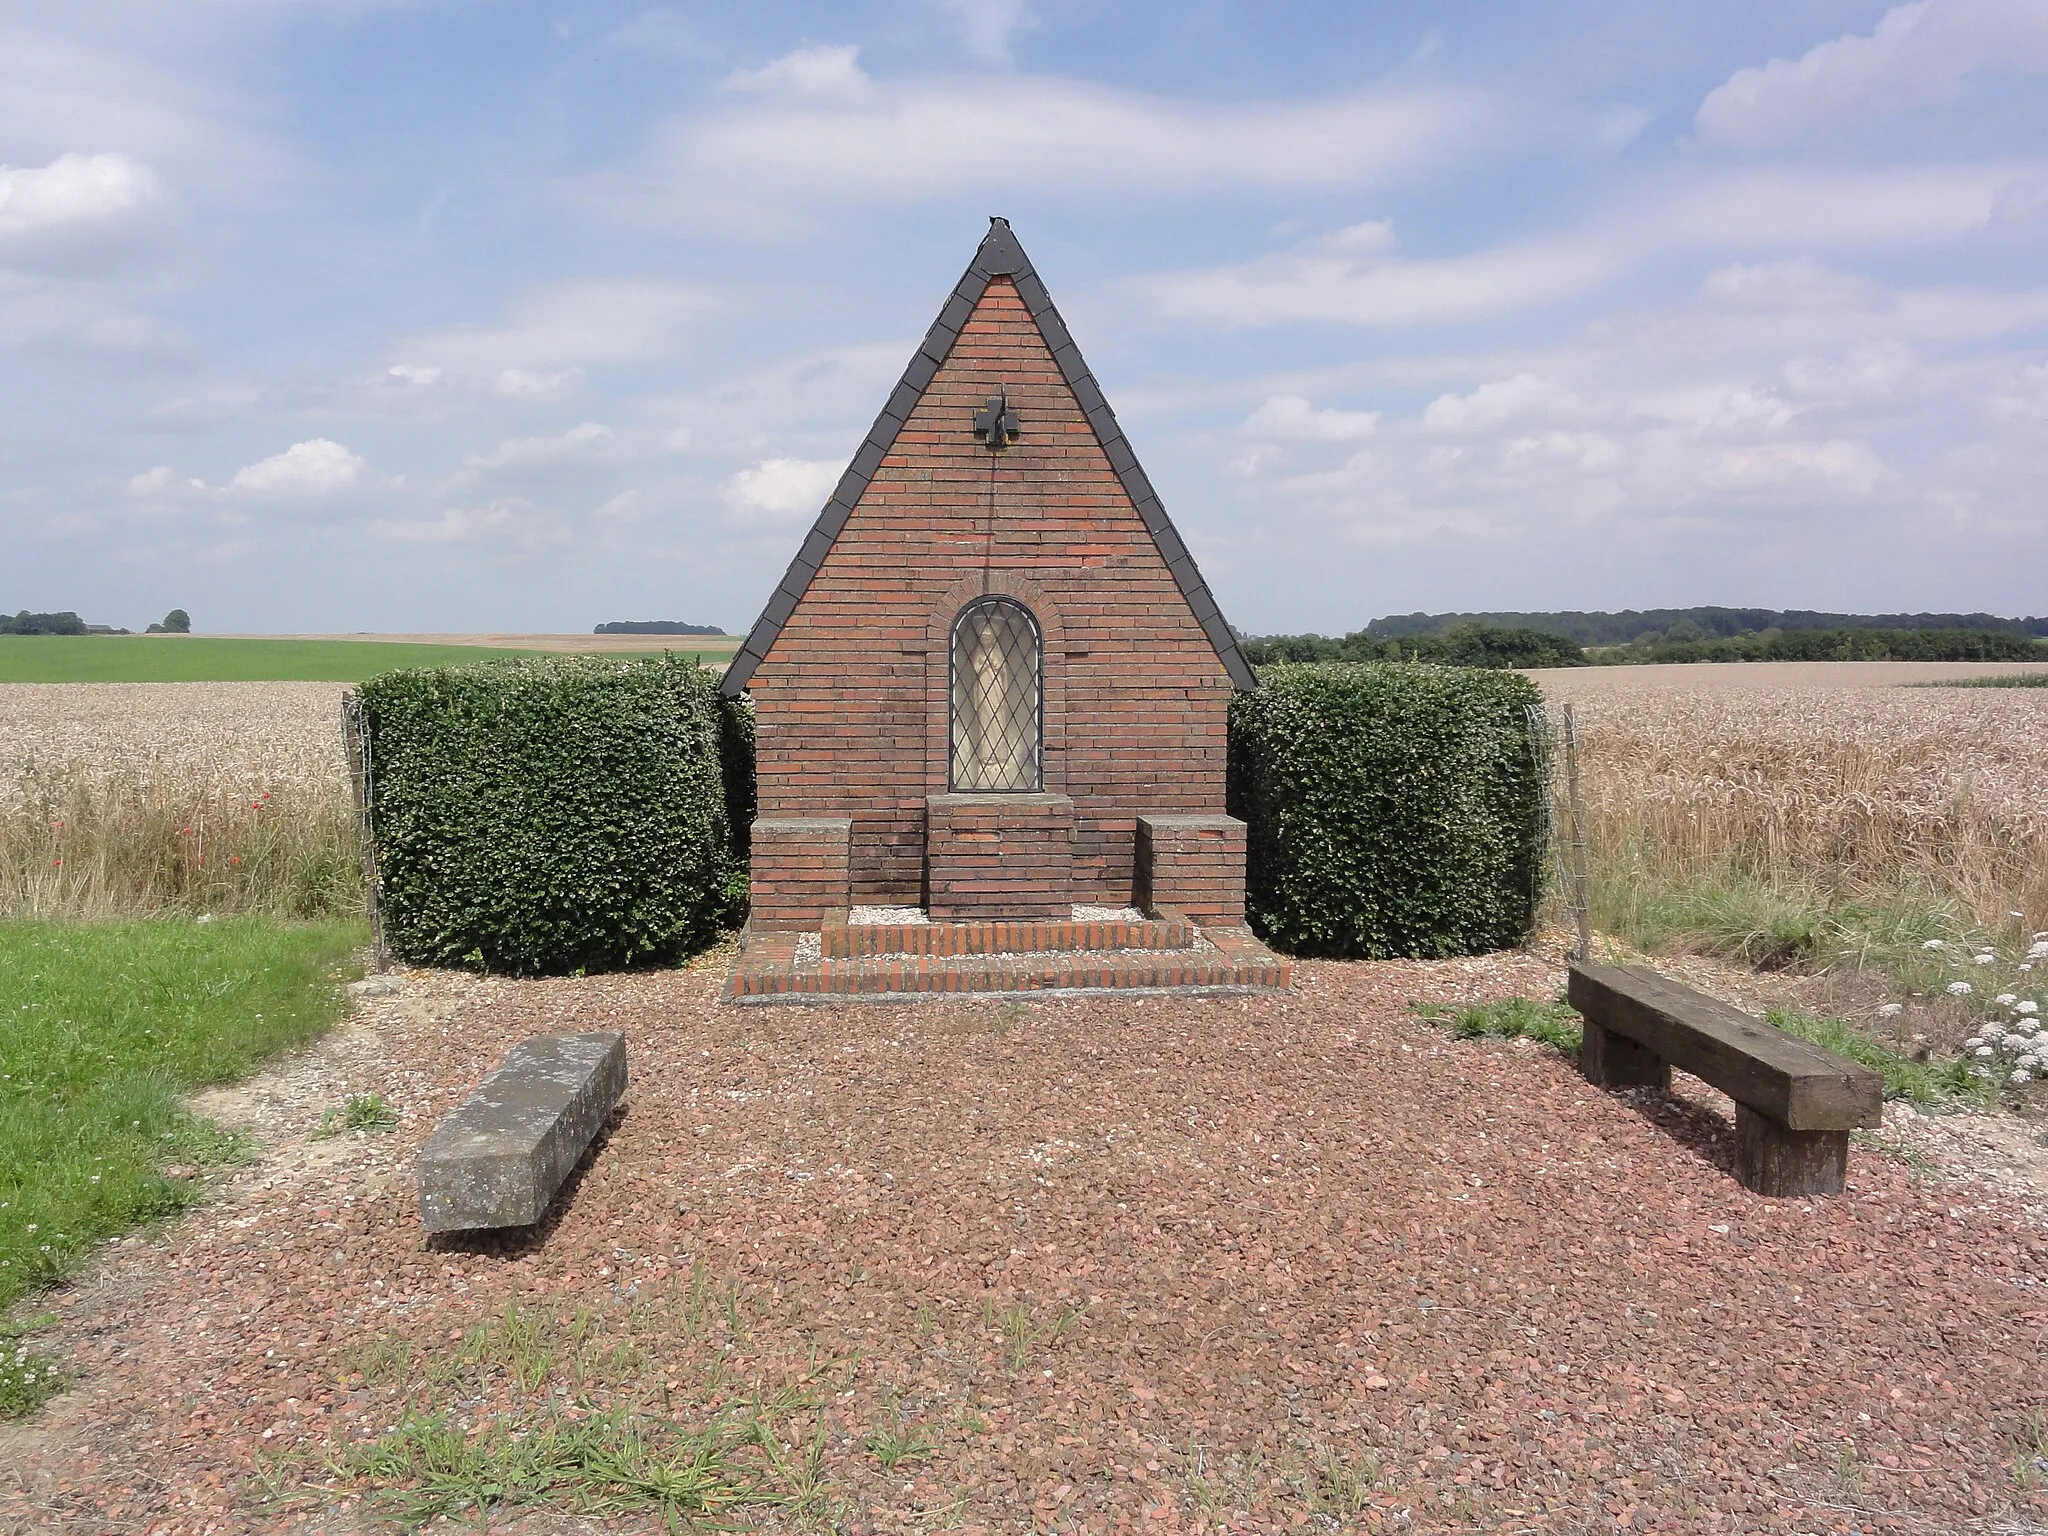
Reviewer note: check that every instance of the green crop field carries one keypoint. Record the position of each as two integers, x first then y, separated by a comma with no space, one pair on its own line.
180,659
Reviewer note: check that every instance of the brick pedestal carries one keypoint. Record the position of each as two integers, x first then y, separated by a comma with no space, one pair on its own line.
999,856
798,873
1192,864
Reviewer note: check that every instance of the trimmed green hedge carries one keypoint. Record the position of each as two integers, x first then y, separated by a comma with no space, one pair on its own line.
556,814
1392,810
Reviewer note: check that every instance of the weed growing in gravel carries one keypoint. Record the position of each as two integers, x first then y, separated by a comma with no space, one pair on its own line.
2030,1451
1338,1485
1510,1018
28,1377
362,1112
516,1340
893,1447
1022,1333
103,1030
430,1466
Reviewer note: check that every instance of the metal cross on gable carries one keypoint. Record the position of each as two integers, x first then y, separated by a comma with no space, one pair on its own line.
996,424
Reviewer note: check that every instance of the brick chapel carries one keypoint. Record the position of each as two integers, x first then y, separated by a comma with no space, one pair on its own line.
992,684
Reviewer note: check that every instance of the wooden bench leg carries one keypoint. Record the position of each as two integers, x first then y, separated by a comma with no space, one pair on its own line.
1773,1160
1615,1061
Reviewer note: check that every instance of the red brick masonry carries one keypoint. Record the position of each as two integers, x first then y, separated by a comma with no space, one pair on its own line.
769,971
1194,864
852,941
799,870
852,700
1000,856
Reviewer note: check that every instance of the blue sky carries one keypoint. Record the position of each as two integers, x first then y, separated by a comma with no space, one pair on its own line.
455,315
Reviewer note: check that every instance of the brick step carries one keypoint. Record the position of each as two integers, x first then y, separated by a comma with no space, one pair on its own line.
852,941
770,970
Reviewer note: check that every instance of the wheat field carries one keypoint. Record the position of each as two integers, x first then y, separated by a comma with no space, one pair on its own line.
118,798
125,798
1846,782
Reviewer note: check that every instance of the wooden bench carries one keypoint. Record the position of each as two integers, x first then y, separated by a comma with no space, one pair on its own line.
1795,1103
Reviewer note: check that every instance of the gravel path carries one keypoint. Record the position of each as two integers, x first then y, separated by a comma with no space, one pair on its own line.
1157,1265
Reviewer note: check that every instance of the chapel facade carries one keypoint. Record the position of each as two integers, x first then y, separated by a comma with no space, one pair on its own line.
992,683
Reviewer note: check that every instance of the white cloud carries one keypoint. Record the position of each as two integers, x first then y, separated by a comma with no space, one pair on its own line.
812,132
138,79
1291,418
317,467
80,215
549,332
1799,284
507,522
1354,276
455,526
162,484
989,24
1919,54
1835,467
2025,398
1518,401
783,489
587,443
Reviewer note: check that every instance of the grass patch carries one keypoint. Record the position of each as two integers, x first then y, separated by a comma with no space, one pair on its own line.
1933,1085
1510,1018
182,659
892,1448
190,659
103,1030
1919,941
2017,680
612,1461
362,1112
1022,1333
28,1377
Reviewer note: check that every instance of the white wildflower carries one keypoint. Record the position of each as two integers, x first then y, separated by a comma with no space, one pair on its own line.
1985,1051
1934,944
2038,949
1960,989
2028,1007
2006,999
1986,959
2021,1076
1973,1042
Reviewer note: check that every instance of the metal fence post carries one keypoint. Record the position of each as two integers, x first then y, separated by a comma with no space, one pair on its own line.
355,743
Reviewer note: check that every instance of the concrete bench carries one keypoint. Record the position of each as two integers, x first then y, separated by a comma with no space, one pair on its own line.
499,1158
1795,1103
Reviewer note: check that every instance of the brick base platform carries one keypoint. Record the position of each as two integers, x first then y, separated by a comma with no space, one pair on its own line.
773,969
851,941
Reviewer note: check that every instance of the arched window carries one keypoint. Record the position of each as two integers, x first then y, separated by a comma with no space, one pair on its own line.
997,698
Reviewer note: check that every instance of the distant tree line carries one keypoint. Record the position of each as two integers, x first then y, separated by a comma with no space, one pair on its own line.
26,623
655,627
1489,645
1632,625
1464,645
1838,645
176,622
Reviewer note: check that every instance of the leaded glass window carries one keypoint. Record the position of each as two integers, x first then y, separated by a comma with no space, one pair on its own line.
996,698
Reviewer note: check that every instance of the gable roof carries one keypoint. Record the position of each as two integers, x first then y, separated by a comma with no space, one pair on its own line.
999,256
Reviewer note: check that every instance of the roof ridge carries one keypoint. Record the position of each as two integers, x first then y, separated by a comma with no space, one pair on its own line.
1000,254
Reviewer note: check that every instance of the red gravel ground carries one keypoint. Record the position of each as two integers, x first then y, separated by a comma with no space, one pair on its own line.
1319,1266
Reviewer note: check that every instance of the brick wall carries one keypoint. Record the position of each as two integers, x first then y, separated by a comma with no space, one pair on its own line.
999,856
851,701
799,871
1194,865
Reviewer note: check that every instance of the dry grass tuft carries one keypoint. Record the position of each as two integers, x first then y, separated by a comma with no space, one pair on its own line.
131,798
